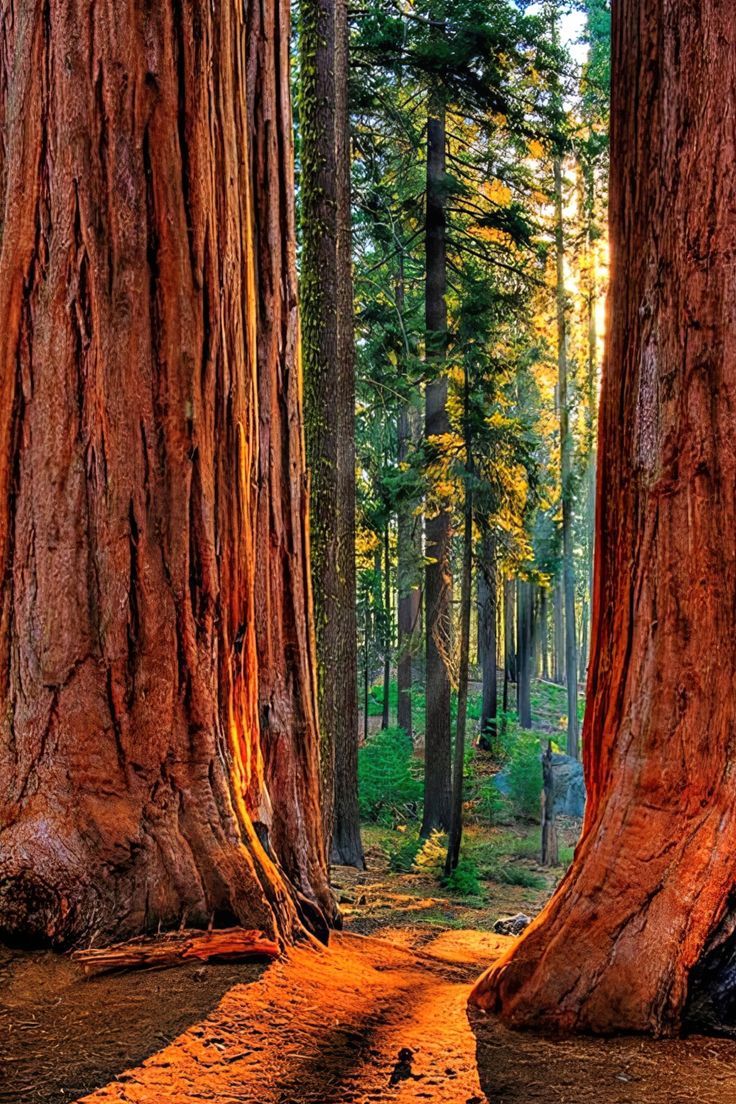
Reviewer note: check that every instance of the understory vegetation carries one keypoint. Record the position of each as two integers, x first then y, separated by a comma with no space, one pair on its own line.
502,792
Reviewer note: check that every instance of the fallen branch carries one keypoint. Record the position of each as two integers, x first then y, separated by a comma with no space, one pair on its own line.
178,948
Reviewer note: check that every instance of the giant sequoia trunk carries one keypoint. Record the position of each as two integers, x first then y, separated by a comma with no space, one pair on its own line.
150,456
645,916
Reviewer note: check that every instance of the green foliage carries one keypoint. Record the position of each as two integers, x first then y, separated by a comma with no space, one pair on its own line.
388,786
492,860
402,855
516,875
375,699
491,806
524,771
464,880
566,855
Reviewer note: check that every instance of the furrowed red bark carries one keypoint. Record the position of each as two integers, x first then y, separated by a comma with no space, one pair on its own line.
650,893
137,785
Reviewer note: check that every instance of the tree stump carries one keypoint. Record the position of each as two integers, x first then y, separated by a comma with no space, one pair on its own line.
550,849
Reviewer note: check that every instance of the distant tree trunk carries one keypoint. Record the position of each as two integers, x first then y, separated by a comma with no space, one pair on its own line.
409,594
366,660
487,601
558,635
591,393
640,935
568,568
158,740
438,579
466,584
386,716
535,642
509,630
329,391
584,632
544,631
523,661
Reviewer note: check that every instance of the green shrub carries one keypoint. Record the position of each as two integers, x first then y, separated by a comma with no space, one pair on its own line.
389,786
524,772
511,874
491,806
402,854
375,698
464,880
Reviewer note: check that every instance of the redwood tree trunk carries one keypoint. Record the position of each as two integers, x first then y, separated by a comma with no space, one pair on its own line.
137,784
651,889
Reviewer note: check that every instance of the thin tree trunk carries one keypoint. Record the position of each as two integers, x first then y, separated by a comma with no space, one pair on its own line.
150,390
591,391
487,599
409,594
558,634
568,569
346,847
366,662
438,579
639,938
509,623
456,822
386,716
544,632
523,662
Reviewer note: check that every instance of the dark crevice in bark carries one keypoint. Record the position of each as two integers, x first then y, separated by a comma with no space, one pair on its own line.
711,998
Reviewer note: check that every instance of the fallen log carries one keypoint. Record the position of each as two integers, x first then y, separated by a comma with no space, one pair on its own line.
178,948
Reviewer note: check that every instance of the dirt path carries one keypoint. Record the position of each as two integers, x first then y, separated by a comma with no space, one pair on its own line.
332,1029
329,1027
369,1020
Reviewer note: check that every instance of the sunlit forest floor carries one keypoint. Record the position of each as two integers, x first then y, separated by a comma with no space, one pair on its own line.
372,1019
382,1015
386,902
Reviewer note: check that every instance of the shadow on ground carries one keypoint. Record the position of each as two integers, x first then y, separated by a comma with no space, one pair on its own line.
63,1035
521,1068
